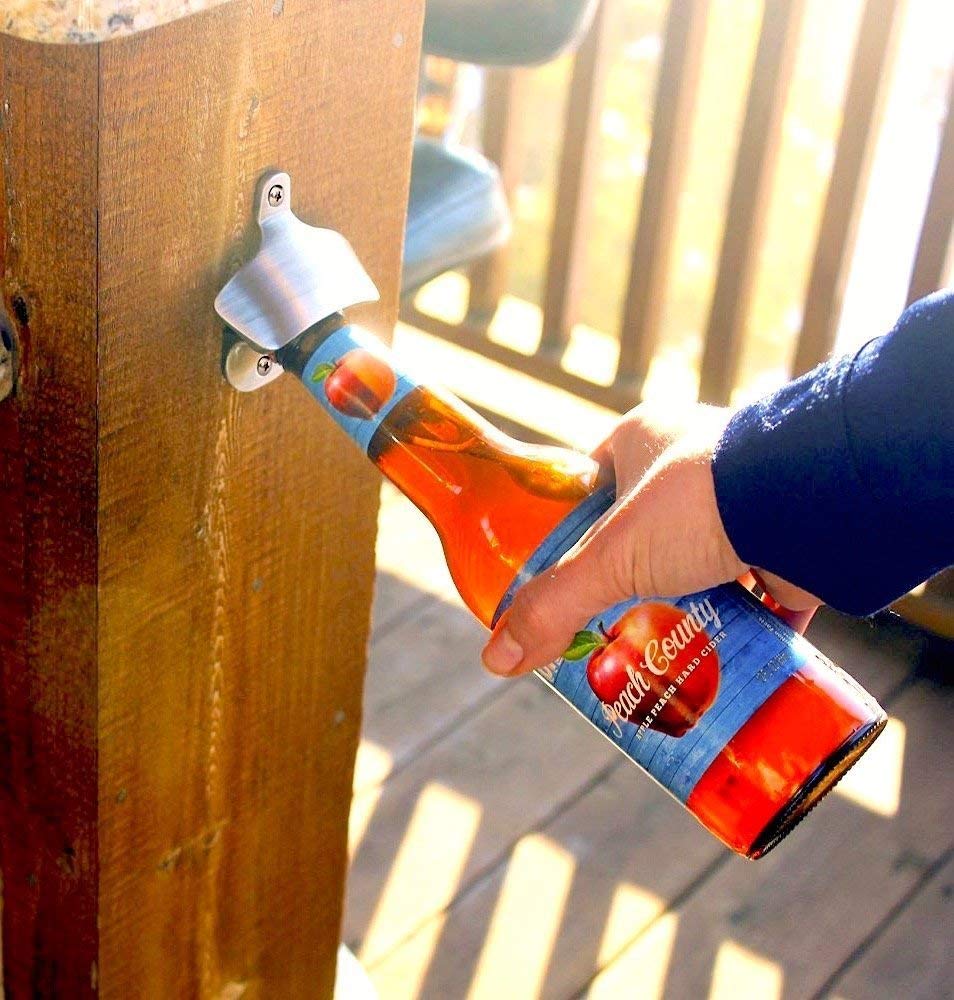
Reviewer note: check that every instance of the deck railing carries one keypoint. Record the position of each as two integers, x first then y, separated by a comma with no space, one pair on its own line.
677,88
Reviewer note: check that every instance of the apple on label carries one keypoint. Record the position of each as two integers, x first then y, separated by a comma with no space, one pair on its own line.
633,663
358,384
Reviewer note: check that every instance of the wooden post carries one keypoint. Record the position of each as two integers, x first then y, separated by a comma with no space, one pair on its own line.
185,573
574,201
673,110
867,92
934,257
749,196
503,132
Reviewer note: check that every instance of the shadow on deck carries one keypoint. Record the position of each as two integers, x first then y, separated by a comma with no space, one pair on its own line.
501,849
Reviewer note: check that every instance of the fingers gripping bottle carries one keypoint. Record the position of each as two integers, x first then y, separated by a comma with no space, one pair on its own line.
736,715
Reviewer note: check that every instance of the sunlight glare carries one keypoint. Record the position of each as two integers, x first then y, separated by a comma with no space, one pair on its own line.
642,966
427,870
875,781
591,354
372,765
517,324
631,910
740,973
402,975
526,921
445,297
672,376
503,390
362,809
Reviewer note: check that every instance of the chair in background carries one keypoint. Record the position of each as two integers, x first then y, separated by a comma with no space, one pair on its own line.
458,209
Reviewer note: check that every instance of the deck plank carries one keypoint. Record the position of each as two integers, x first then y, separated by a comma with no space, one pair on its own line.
510,855
912,958
410,563
784,924
508,767
631,850
424,674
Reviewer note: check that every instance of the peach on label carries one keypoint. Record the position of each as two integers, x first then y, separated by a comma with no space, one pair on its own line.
635,662
358,384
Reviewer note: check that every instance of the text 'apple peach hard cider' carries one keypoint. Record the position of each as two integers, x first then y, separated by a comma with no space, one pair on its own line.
736,715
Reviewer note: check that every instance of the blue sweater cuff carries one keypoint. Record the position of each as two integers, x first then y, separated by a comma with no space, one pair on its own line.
842,482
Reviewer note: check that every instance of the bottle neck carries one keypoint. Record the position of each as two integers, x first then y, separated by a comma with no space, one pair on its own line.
491,498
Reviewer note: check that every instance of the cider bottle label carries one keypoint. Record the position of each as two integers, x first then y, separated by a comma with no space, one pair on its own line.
351,375
669,681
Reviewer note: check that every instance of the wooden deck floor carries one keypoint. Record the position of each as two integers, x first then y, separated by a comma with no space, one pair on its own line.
502,849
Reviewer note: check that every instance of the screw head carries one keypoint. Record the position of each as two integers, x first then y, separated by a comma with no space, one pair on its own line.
264,366
276,195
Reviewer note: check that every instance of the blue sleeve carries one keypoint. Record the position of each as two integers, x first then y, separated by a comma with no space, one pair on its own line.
842,482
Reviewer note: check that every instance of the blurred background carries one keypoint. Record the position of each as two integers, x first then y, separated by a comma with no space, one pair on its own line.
845,112
678,199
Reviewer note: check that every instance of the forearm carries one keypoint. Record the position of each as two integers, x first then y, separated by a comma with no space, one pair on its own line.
843,481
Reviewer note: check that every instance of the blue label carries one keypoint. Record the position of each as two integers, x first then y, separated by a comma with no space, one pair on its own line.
351,376
669,681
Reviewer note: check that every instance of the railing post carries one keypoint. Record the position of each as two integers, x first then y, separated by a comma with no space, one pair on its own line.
659,198
934,247
861,116
574,198
502,132
749,198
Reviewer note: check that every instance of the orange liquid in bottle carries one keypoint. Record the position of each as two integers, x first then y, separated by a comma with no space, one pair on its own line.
493,501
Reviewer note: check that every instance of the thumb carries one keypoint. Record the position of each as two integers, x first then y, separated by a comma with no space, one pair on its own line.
549,609
646,545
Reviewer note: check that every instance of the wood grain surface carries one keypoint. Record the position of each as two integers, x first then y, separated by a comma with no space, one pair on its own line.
48,515
576,179
746,212
191,568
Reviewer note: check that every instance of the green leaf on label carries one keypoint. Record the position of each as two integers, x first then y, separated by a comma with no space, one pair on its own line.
583,644
322,372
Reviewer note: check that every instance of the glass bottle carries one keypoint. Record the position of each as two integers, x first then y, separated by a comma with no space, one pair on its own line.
736,715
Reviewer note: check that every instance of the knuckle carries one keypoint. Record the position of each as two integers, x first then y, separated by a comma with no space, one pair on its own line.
612,555
530,616
643,572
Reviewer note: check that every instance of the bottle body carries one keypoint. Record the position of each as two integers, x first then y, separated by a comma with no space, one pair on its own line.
733,713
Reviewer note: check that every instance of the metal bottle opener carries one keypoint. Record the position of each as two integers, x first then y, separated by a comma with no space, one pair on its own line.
300,276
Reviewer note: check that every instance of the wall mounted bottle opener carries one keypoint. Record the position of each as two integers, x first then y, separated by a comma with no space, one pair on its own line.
300,276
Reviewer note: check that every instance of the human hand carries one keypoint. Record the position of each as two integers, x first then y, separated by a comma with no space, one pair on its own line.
663,537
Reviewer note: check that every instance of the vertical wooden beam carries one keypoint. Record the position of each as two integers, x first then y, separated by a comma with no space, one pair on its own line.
503,129
578,161
861,116
934,247
188,570
48,515
659,198
749,197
